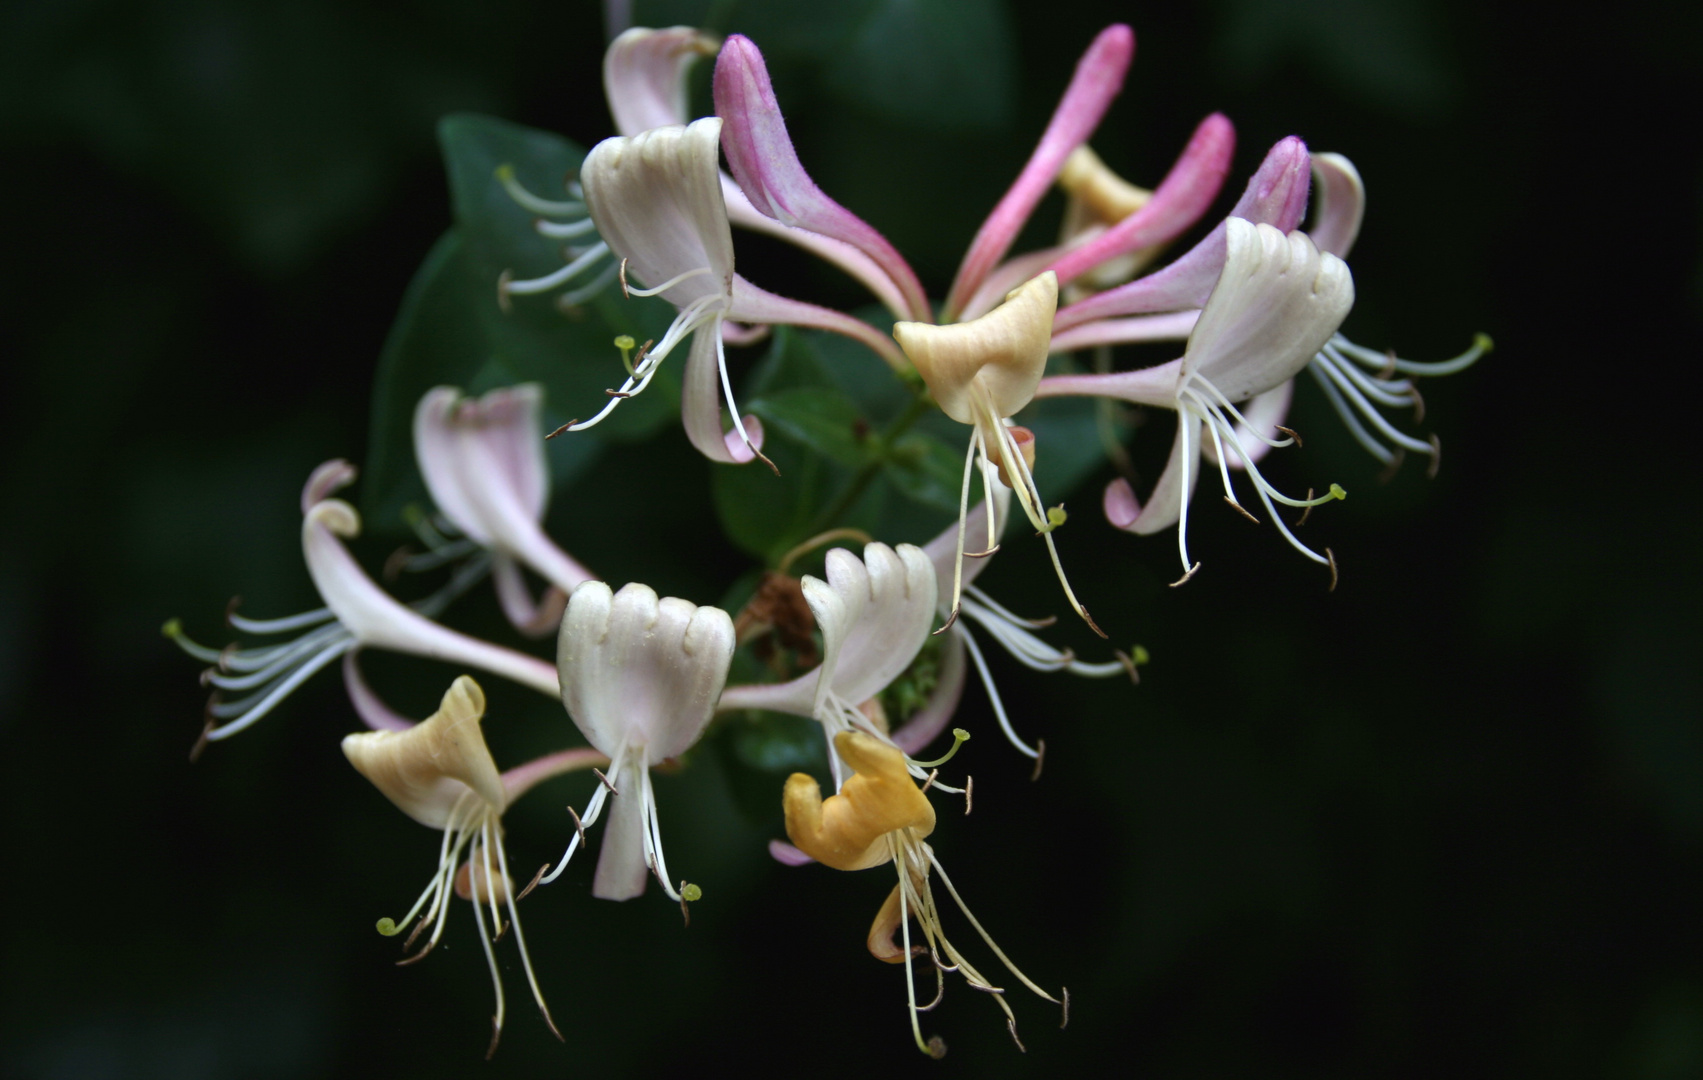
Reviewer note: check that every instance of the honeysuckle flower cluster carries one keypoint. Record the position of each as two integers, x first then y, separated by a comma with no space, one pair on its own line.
641,679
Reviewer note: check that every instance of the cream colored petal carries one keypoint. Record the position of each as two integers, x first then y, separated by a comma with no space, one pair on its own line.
426,769
1005,350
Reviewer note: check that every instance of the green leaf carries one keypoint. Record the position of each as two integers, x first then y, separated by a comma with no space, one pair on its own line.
767,514
926,470
821,420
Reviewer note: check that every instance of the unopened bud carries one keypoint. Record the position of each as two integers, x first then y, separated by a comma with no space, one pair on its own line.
1025,440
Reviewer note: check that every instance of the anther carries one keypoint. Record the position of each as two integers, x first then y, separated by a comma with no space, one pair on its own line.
926,784
984,554
1418,402
604,780
1066,1021
1240,509
1389,472
1308,512
203,740
1389,367
406,961
688,894
625,291
578,827
225,655
936,1047
1041,752
533,884
969,793
561,429
1291,433
398,559
1332,557
503,280
1436,457
1192,570
496,1033
1011,1023
950,619
231,609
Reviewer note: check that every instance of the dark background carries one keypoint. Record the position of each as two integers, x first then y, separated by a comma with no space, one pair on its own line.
1445,821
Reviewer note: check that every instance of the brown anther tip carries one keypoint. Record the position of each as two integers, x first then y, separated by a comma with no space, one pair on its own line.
764,458
225,655
496,1033
1395,463
1293,435
419,926
984,554
1011,1023
1041,756
201,742
1333,575
397,560
1307,512
1066,1021
926,784
1092,625
1240,509
550,1022
950,619
1418,402
1436,457
618,394
578,826
561,429
501,930
503,292
969,793
1192,571
419,956
625,291
206,676
1129,665
1389,367
685,912
231,609
604,780
533,884
936,1047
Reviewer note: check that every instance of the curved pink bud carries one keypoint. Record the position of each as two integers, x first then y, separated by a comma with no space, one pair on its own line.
1276,195
1178,202
761,155
1099,76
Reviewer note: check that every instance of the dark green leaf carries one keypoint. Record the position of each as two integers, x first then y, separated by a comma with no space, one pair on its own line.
822,420
927,470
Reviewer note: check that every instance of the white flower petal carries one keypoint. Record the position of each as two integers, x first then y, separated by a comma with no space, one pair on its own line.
875,614
426,769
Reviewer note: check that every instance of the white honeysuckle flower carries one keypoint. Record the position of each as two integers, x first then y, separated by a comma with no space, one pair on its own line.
640,677
874,614
357,614
1358,381
483,462
1277,301
981,372
1010,630
657,200
440,773
644,79
879,815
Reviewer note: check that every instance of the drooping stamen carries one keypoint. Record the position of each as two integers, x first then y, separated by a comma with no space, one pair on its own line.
1377,361
564,230
528,201
959,738
507,287
993,696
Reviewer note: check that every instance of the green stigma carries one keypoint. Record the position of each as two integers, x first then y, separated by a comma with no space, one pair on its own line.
1138,655
505,172
959,738
1336,492
1056,516
387,926
1482,342
173,628
689,892
626,344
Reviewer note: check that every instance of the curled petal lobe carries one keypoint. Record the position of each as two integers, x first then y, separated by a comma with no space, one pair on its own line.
656,200
427,768
875,614
761,156
1276,304
641,672
644,76
1340,206
700,405
1098,78
1003,352
847,831
1164,506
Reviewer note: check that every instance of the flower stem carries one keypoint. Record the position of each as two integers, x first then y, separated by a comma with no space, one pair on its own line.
854,489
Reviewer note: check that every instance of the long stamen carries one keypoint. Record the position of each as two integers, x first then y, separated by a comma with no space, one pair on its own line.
556,277
1392,393
593,809
564,230
935,1047
1350,420
997,951
1187,433
496,978
520,942
963,516
528,201
1370,411
665,286
1378,361
270,700
727,392
691,317
279,626
993,696
652,835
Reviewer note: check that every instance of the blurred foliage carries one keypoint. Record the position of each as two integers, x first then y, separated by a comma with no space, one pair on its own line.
1442,822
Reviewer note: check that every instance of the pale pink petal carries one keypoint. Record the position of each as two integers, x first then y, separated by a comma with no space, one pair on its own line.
644,76
1176,205
1155,385
700,405
1014,271
755,305
739,335
622,871
1165,505
795,698
1099,76
368,705
375,618
1171,326
1276,195
523,778
761,155
532,618
784,853
1340,205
